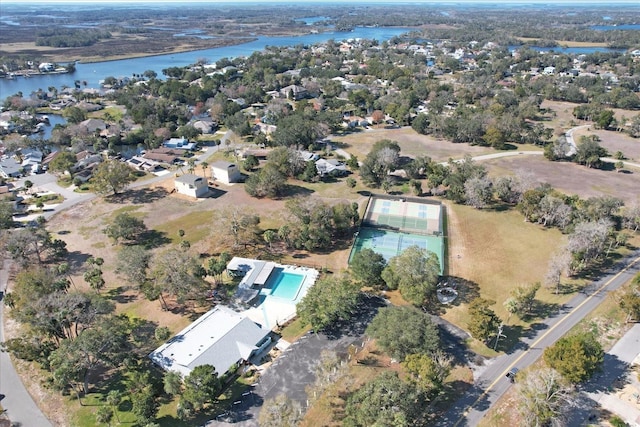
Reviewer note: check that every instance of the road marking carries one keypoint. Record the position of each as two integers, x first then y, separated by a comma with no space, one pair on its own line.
533,345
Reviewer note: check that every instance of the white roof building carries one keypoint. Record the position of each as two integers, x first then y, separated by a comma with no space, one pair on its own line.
221,338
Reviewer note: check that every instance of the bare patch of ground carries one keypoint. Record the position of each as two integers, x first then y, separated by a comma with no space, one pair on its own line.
571,178
613,141
411,144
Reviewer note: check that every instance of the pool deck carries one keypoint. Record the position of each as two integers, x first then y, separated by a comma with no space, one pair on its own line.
273,310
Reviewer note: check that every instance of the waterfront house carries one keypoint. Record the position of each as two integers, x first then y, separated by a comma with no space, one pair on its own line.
182,143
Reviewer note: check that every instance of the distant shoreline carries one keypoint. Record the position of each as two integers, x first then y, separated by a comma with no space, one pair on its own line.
133,55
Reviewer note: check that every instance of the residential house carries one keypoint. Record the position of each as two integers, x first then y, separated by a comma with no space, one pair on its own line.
331,167
46,67
87,160
9,167
182,143
164,155
225,172
205,126
31,160
221,338
142,164
296,92
191,185
92,125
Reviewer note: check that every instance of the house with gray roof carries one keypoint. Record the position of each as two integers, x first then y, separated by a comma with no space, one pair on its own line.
221,338
191,185
10,168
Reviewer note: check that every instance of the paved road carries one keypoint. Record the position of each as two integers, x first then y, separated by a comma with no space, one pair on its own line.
491,384
49,182
571,141
20,407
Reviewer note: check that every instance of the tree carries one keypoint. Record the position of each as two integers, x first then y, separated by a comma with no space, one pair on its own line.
428,372
415,273
508,189
172,382
332,300
544,397
382,159
143,397
478,192
385,401
587,243
93,276
177,273
558,264
523,298
250,163
103,345
404,330
589,152
201,387
577,357
269,236
111,176
63,162
267,182
125,227
114,397
242,225
280,412
367,266
484,323
629,300
133,262
6,215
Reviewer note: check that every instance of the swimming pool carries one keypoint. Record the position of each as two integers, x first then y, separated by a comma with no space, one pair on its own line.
284,285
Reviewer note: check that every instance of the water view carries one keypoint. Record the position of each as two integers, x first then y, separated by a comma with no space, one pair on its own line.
92,73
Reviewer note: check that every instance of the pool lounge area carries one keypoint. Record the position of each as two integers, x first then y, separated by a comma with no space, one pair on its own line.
269,290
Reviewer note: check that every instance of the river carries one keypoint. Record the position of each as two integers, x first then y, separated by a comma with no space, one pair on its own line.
92,73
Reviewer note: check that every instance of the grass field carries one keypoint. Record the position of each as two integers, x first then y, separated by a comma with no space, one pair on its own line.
496,251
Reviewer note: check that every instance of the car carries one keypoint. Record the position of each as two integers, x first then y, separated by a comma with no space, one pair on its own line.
512,374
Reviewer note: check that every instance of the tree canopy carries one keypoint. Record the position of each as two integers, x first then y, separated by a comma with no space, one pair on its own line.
366,267
329,300
415,273
577,357
125,227
385,401
404,330
111,176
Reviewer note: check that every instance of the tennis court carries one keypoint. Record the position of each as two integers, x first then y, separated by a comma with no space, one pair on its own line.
391,243
404,215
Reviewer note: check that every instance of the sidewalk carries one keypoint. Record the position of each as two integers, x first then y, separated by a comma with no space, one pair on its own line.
619,373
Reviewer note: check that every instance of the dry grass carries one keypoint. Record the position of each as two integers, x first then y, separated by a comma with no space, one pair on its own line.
411,144
571,178
497,251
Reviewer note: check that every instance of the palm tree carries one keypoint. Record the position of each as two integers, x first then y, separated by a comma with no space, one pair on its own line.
191,165
204,165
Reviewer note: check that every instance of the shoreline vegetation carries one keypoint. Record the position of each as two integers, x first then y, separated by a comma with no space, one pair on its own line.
89,59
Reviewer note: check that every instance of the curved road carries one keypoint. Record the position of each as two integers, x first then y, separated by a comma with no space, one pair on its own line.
491,384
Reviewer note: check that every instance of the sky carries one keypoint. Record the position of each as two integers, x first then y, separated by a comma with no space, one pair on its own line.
495,2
